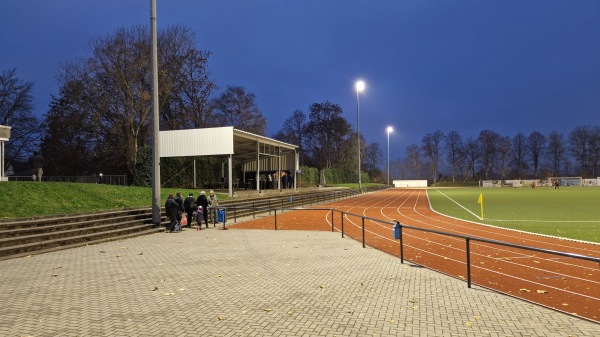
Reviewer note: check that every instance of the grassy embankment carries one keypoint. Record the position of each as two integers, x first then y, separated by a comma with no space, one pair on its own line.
30,199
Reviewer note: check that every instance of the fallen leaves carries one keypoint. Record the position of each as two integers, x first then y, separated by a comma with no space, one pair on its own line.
542,291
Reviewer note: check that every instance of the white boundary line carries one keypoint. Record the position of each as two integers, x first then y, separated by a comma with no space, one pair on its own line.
463,207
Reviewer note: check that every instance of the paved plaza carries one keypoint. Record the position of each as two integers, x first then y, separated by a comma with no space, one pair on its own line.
253,283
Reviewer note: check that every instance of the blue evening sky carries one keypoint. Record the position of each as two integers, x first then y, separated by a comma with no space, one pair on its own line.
466,65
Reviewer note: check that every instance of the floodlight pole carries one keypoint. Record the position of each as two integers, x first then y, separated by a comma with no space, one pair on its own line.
360,86
156,213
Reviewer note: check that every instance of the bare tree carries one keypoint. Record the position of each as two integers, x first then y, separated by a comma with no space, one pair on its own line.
413,155
16,105
488,141
236,107
519,153
579,140
432,148
504,147
327,132
293,132
535,144
114,89
555,151
454,145
472,151
373,157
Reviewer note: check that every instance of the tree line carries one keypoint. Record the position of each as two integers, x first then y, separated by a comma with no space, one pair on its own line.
492,156
101,121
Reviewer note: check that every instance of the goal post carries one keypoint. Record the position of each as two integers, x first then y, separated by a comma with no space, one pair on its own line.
565,181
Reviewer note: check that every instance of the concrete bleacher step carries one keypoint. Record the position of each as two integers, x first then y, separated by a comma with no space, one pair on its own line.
34,236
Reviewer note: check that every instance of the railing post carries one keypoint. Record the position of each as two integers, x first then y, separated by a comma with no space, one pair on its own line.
332,220
253,211
234,214
342,224
363,232
468,241
401,245
275,210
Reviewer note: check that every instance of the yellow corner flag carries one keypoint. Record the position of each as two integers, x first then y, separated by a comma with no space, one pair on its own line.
480,201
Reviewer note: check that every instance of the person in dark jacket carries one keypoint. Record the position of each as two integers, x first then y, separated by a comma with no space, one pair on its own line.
203,201
189,204
179,200
171,208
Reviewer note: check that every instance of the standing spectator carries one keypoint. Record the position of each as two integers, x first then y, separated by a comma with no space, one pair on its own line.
202,202
36,162
179,200
189,204
213,201
291,180
284,180
269,181
172,209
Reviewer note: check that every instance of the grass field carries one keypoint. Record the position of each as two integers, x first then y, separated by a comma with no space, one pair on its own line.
569,212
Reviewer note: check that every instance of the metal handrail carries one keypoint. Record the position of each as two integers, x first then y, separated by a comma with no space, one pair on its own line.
467,238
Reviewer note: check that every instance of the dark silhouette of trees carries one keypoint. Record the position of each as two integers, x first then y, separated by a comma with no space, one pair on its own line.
432,149
236,107
327,134
536,143
16,107
555,152
112,88
454,152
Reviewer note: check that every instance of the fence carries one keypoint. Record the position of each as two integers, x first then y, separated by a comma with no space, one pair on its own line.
92,179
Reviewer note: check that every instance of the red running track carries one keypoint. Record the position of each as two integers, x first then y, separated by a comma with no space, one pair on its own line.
565,284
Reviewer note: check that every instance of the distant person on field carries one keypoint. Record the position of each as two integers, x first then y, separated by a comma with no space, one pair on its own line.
202,201
556,184
36,162
533,184
172,209
189,204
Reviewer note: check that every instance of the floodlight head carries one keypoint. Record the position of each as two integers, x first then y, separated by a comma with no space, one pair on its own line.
360,86
390,129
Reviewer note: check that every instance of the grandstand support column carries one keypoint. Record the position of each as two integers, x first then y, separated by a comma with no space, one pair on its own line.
230,174
257,176
296,169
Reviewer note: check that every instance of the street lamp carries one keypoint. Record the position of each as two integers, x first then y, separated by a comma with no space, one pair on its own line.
389,130
360,86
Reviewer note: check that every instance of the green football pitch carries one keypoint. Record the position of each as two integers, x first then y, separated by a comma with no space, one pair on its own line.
568,212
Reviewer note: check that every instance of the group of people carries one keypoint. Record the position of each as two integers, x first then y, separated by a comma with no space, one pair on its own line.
286,181
197,209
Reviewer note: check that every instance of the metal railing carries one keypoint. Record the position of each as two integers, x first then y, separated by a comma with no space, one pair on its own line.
91,179
398,233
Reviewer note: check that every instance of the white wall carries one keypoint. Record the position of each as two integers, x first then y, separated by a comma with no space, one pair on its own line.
410,183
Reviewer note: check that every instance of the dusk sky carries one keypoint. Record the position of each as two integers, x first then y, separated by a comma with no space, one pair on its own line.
506,65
